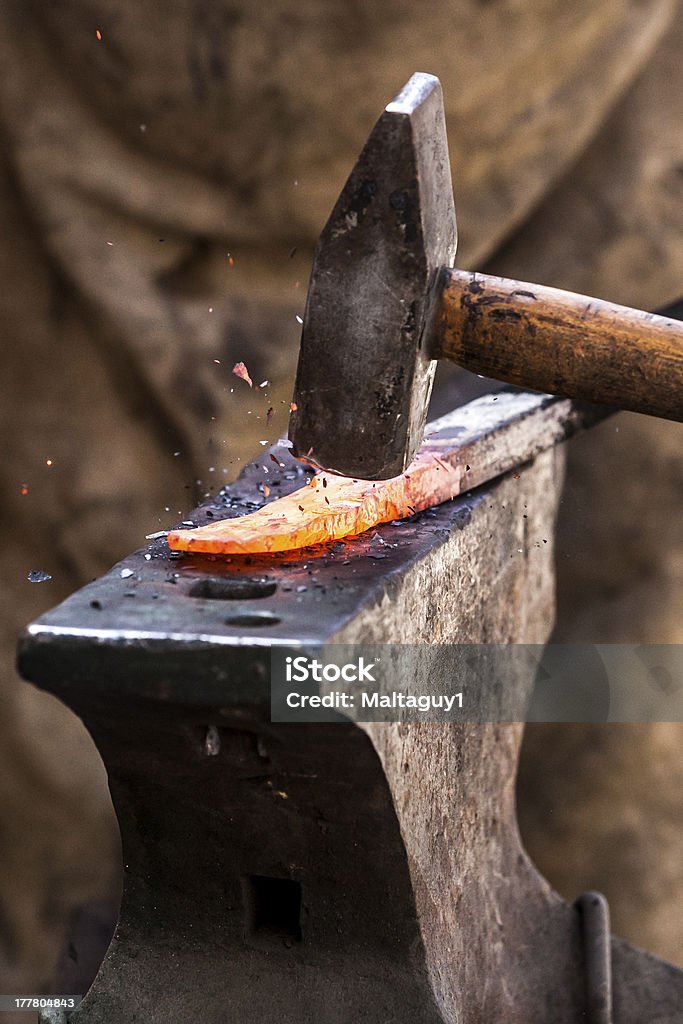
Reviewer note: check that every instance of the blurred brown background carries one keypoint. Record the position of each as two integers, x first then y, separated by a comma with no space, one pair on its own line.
162,187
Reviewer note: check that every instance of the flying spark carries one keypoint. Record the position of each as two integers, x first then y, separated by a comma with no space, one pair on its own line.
240,370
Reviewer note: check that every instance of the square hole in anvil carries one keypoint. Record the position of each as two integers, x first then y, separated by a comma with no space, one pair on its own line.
272,908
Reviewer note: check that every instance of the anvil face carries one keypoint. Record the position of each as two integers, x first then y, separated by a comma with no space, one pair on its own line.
364,380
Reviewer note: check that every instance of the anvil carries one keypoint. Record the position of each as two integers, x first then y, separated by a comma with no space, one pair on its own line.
332,872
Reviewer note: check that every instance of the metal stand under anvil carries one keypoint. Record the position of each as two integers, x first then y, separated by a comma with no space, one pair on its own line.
324,873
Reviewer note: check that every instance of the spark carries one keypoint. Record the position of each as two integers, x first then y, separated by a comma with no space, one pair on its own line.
99,35
299,319
48,462
240,370
24,489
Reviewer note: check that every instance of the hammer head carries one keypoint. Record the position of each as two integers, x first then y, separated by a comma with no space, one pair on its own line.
364,379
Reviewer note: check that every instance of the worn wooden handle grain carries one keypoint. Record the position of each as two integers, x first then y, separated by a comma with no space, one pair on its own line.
555,341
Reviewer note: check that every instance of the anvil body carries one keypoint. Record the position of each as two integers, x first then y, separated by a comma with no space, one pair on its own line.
326,872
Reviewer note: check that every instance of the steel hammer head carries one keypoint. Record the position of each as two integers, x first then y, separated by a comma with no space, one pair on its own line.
364,377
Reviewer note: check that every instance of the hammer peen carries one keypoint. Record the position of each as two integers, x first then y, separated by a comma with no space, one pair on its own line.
384,303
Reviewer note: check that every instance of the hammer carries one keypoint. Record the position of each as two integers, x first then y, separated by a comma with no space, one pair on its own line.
384,303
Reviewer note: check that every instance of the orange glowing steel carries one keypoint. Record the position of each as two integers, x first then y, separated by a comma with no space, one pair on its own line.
330,508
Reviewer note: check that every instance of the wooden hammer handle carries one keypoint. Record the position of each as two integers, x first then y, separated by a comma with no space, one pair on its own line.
556,341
